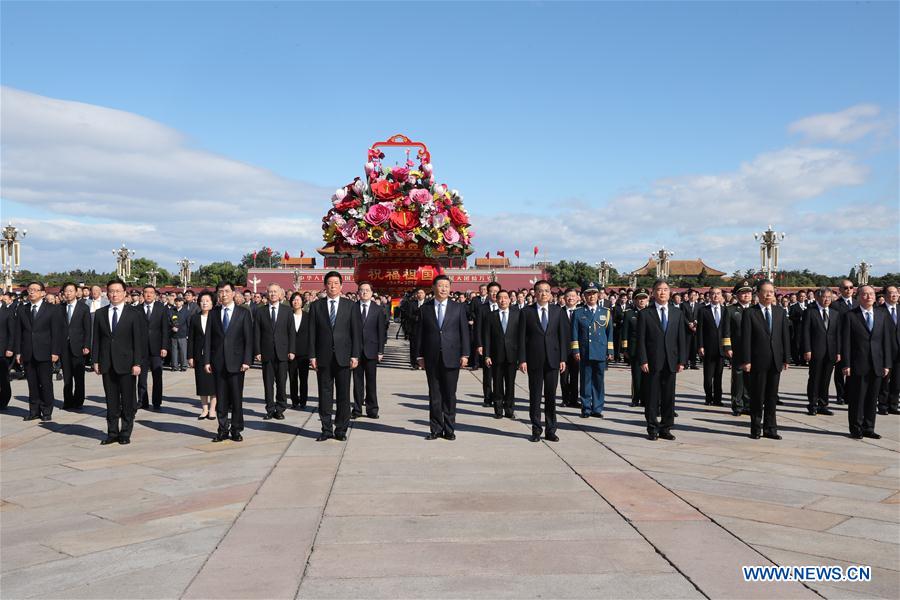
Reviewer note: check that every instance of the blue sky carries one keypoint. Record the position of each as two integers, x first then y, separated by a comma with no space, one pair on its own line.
594,130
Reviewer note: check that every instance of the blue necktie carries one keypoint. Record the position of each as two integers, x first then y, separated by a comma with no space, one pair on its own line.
894,314
716,314
769,319
503,320
544,322
69,313
33,312
332,314
664,321
440,315
868,321
225,321
115,320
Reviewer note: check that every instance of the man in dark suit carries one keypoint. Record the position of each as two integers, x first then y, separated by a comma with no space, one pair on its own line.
228,354
889,396
820,340
40,340
77,317
335,342
7,351
796,311
740,381
629,345
569,379
501,353
118,353
156,334
442,339
482,312
618,316
374,337
543,346
766,347
273,343
866,346
662,354
413,314
691,312
844,303
714,345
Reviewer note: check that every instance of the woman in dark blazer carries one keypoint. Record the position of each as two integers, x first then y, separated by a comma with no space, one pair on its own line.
206,384
298,369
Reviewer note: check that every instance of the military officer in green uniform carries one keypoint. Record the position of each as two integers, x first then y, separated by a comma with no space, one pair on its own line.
740,381
592,347
629,343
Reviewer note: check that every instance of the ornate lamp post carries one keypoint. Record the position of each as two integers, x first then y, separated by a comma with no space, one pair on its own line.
603,268
662,263
123,263
298,277
633,280
768,252
862,273
151,277
10,254
184,272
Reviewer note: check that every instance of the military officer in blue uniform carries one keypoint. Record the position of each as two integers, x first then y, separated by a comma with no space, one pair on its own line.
592,346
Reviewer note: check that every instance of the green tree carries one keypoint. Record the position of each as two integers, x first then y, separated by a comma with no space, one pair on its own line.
214,273
265,258
140,267
571,274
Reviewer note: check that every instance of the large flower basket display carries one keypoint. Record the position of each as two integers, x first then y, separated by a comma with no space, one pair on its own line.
397,222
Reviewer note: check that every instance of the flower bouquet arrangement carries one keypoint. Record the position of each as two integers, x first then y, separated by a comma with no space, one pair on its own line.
397,207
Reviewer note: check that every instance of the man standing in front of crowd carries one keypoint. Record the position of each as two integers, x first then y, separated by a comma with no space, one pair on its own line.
501,352
820,338
569,379
481,317
156,336
740,380
40,339
691,312
843,304
273,339
374,338
890,387
714,345
78,339
629,344
592,348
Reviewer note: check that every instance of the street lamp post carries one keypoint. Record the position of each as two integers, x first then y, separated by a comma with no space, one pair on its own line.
298,277
184,272
151,277
662,263
862,273
123,263
10,254
768,252
603,268
633,280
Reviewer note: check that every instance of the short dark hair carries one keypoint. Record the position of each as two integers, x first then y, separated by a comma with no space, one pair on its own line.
762,283
113,281
540,282
148,286
37,283
494,284
502,291
660,282
222,284
364,282
570,289
296,295
441,278
212,297
67,284
246,291
188,291
331,274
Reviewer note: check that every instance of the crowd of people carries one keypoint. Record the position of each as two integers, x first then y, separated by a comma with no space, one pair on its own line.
560,339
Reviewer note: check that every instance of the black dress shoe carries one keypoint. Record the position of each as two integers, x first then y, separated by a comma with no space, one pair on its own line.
46,418
498,416
372,416
599,415
157,408
585,414
826,412
341,437
355,415
779,403
882,411
268,416
652,435
124,441
811,412
236,437
772,436
666,435
109,440
893,411
551,437
31,418
871,435
633,404
840,401
674,414
534,438
279,416
220,437
432,436
450,437
324,436
754,435
735,412
856,436
511,415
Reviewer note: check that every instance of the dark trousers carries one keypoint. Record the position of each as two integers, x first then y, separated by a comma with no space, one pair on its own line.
487,381
638,390
712,378
413,348
504,388
73,379
229,399
839,382
542,385
659,398
740,388
441,397
364,387
274,376
862,398
298,375
617,343
568,382
818,382
120,403
152,365
692,349
795,343
763,398
333,378
889,396
5,389
39,374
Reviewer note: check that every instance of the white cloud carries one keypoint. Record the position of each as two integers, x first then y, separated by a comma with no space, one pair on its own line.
843,126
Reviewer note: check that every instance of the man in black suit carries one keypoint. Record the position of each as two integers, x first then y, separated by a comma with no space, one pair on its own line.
118,352
766,342
662,354
413,314
40,340
482,312
844,303
618,317
866,346
273,346
442,339
7,351
374,337
796,311
77,317
569,379
228,354
714,345
820,340
543,346
691,312
156,334
889,396
501,352
335,341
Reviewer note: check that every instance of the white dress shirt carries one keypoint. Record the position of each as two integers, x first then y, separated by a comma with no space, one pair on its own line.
121,308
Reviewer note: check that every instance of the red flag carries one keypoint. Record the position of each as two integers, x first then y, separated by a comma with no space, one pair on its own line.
517,254
286,255
535,250
301,254
269,250
501,253
487,255
254,256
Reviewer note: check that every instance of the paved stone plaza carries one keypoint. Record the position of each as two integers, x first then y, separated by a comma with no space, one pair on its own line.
602,513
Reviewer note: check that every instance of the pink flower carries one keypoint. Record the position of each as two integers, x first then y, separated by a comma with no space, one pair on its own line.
400,174
451,235
348,230
420,196
361,236
339,196
379,213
